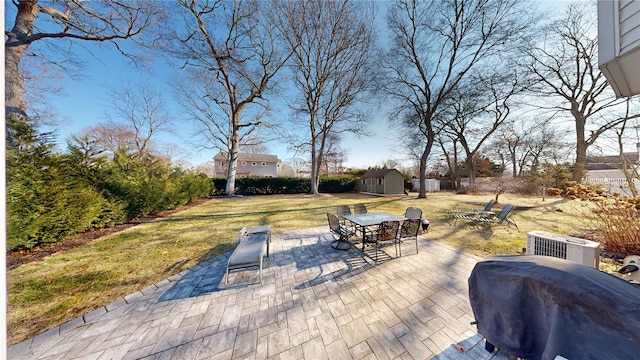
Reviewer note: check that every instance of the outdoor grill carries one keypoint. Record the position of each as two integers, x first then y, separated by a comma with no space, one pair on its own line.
540,307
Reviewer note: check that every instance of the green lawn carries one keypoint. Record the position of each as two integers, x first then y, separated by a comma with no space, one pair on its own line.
62,287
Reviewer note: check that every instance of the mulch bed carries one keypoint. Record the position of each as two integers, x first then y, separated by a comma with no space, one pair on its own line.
24,256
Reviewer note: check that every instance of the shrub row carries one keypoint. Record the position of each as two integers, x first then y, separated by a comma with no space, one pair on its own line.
262,185
51,196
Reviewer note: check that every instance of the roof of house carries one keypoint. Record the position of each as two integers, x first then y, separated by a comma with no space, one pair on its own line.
379,173
248,157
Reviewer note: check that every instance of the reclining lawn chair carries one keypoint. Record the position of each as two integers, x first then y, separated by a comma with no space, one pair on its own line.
486,210
489,217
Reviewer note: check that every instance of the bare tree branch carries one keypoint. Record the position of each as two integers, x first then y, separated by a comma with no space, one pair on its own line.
332,44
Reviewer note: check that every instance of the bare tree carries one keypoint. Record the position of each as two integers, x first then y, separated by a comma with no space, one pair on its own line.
479,106
630,170
142,107
110,136
525,144
254,145
332,44
230,52
70,20
437,44
565,65
334,156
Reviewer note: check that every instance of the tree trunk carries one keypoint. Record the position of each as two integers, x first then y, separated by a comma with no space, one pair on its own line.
431,138
581,147
422,193
315,157
471,170
230,188
14,48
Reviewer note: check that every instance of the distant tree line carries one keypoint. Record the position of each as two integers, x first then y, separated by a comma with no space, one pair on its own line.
51,195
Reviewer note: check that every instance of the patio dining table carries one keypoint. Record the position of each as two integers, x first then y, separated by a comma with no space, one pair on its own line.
371,219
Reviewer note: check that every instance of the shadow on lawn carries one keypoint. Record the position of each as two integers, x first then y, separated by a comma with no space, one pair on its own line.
263,214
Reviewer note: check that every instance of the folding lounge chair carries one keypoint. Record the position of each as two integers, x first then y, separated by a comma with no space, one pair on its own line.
490,218
248,253
486,210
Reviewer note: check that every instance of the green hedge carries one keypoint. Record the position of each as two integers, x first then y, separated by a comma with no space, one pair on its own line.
51,196
147,186
259,185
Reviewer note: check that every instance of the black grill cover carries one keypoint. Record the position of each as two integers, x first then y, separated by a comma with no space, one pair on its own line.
537,307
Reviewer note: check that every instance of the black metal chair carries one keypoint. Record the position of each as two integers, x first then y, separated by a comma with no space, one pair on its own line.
359,209
387,231
409,231
343,210
413,213
343,233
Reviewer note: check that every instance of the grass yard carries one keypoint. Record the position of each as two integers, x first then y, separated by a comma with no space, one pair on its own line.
62,287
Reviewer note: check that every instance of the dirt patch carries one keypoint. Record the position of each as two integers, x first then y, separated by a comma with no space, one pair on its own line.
24,256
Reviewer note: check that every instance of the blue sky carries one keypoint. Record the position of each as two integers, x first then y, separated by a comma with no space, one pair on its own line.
82,103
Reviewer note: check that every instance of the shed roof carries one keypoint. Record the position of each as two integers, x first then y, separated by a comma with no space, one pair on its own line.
380,173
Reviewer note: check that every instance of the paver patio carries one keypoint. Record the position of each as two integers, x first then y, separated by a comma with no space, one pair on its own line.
315,303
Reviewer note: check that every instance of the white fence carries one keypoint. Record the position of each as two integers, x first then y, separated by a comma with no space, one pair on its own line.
431,185
614,185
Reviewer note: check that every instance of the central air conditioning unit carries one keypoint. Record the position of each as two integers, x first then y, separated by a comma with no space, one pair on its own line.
574,249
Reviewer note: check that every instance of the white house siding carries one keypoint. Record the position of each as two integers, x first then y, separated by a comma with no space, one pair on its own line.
248,165
619,44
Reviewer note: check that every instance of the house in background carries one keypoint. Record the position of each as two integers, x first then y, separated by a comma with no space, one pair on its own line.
606,172
248,165
385,181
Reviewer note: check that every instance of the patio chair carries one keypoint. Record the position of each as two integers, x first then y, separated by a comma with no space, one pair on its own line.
343,233
489,217
387,231
247,254
242,234
408,231
343,210
487,209
359,209
413,213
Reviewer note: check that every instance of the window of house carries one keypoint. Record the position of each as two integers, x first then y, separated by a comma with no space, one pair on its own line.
264,164
244,163
254,163
380,181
